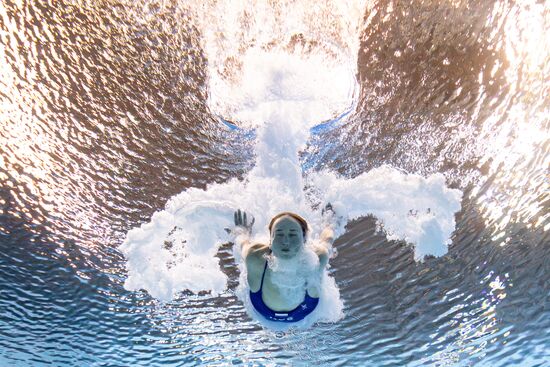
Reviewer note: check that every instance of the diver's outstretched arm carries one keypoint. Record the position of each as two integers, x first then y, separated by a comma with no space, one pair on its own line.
324,246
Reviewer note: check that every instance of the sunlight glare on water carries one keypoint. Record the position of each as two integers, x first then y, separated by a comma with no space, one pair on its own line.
425,123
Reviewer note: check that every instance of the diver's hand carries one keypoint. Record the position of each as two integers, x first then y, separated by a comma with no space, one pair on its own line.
242,221
328,211
330,218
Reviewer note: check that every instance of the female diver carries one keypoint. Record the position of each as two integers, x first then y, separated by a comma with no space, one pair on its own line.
283,277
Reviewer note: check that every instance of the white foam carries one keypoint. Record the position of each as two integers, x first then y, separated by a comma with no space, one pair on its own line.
410,207
311,84
262,51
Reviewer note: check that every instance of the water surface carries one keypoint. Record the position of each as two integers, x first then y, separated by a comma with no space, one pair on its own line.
105,116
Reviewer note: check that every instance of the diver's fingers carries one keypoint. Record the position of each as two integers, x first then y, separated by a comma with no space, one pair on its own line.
252,222
327,208
244,219
235,218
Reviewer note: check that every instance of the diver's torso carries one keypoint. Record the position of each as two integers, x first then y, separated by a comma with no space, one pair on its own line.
289,294
281,290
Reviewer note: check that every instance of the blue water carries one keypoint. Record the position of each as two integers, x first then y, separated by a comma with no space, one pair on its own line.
104,117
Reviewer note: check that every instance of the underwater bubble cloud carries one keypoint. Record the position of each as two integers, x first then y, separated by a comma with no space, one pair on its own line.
282,95
176,250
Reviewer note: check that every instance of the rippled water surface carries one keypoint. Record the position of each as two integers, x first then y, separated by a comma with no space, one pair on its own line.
105,115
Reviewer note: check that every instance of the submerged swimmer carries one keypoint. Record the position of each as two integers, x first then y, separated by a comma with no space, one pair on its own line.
284,277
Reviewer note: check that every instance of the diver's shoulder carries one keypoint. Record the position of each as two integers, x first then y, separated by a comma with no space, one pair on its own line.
255,262
255,253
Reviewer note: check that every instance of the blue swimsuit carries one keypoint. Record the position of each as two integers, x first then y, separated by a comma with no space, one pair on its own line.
303,309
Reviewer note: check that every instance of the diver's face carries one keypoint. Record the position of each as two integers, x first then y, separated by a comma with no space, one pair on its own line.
287,238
